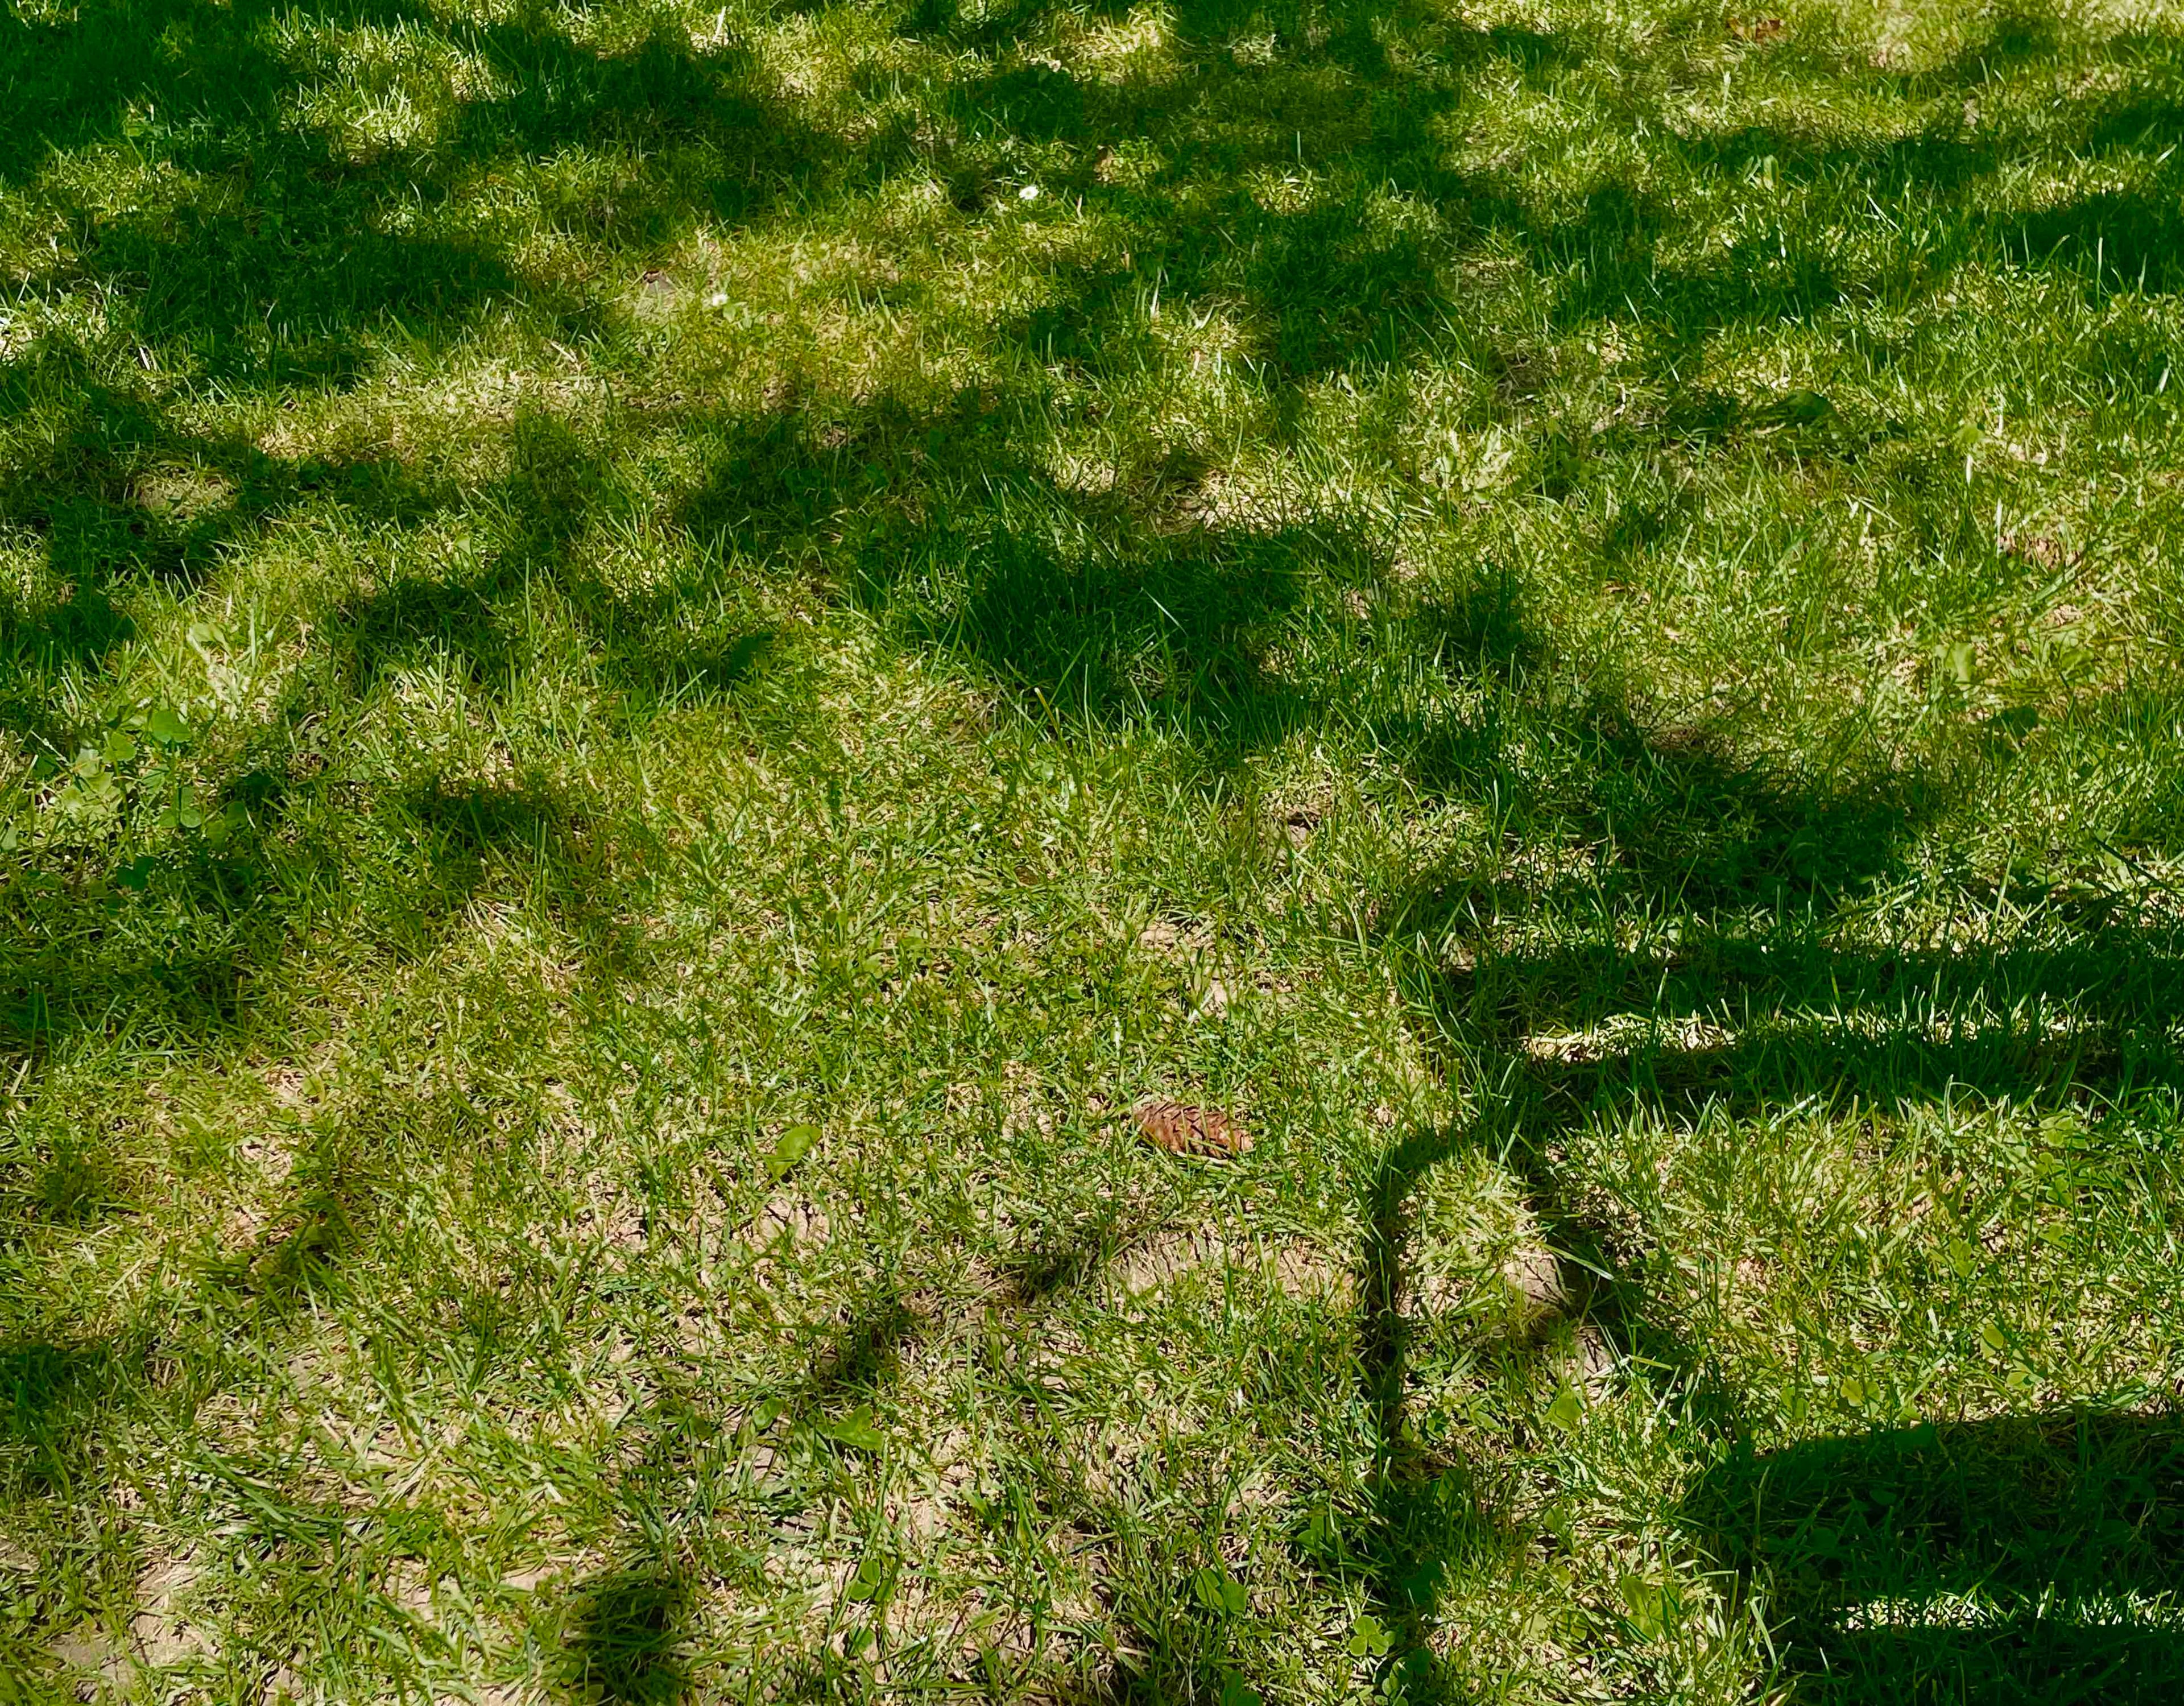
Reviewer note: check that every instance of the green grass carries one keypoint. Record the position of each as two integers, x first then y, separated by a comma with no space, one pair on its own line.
1573,608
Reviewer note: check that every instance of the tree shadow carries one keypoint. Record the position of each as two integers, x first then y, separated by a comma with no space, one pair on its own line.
862,1357
187,934
318,241
1761,1004
192,923
1146,605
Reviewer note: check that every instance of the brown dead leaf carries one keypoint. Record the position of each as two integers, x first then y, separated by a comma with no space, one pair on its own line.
1180,1128
1756,29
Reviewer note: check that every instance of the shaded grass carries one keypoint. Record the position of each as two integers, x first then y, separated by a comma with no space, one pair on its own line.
1571,609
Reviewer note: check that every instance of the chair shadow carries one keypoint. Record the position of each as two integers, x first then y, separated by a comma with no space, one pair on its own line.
2030,1557
2038,1557
1425,1514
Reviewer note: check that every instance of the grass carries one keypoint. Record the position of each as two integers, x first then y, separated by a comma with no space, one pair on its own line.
654,659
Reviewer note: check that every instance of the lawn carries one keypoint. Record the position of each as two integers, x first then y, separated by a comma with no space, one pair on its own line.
657,662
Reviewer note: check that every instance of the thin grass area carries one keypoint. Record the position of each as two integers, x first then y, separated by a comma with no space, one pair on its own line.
656,659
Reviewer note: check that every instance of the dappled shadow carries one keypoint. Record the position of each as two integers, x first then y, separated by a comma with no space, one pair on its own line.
187,935
1669,932
301,264
630,1632
1065,1252
861,1356
302,243
1308,190
1178,632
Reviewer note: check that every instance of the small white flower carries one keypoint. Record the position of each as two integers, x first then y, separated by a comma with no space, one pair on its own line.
719,299
1029,192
